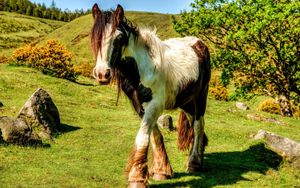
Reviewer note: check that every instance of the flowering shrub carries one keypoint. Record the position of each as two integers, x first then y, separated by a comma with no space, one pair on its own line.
271,106
53,59
84,69
3,59
218,90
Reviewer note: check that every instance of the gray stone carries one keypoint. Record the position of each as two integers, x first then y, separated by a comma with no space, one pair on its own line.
16,131
241,106
257,117
40,113
287,148
165,122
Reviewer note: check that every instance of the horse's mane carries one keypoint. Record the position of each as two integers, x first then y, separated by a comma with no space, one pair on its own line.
100,22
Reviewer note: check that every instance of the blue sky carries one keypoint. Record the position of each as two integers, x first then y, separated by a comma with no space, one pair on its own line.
163,6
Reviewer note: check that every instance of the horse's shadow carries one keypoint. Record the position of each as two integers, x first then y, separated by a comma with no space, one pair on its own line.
226,168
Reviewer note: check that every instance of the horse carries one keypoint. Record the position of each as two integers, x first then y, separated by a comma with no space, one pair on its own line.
155,75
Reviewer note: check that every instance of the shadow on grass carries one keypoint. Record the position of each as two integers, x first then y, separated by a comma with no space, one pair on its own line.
64,128
227,168
83,84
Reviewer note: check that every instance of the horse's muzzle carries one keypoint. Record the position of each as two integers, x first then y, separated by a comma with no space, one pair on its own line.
102,78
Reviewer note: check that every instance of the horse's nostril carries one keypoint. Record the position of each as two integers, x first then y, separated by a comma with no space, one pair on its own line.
107,74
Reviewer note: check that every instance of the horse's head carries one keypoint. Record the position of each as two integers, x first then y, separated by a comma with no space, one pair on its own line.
108,38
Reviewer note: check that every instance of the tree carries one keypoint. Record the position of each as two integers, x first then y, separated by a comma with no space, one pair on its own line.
53,5
257,44
29,11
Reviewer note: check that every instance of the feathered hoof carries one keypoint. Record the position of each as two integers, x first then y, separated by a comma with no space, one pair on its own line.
159,177
136,185
194,169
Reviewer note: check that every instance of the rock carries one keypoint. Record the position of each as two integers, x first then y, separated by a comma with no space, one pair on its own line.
241,106
256,117
283,146
165,122
16,131
40,113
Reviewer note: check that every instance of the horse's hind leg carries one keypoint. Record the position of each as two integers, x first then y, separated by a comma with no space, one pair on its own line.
160,168
196,158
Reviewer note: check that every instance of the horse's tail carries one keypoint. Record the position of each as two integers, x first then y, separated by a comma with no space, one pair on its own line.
185,133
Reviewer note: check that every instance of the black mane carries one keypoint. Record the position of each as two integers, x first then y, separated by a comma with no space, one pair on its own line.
128,79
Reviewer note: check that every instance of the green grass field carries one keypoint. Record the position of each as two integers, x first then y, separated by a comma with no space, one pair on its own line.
97,137
17,30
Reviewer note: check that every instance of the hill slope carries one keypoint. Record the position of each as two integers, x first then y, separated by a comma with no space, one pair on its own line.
75,35
97,137
17,29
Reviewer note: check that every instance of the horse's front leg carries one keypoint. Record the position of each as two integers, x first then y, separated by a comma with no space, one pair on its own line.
160,167
137,164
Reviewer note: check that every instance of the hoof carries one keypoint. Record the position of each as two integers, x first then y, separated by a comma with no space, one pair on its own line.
159,177
136,185
194,169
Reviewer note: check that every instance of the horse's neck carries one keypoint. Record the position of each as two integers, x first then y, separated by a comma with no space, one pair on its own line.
146,50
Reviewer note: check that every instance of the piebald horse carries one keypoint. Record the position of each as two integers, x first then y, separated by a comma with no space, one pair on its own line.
155,75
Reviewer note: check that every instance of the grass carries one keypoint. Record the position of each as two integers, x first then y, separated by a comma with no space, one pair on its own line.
17,30
97,137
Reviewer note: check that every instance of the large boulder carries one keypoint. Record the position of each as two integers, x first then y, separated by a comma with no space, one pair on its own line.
287,148
16,131
40,113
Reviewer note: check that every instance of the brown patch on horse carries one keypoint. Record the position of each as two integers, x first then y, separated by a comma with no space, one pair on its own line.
201,50
185,132
136,169
160,167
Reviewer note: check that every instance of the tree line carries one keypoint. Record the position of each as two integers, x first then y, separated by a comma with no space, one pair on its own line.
40,10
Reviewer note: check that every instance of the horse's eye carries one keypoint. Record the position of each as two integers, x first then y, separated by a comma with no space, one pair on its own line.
119,37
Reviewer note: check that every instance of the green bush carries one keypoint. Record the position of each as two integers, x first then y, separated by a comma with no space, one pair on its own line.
53,59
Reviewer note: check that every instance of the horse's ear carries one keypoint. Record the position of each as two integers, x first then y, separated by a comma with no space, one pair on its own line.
96,10
119,14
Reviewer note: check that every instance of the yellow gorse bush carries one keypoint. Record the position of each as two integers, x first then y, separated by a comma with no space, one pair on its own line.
53,59
3,59
217,89
271,106
84,69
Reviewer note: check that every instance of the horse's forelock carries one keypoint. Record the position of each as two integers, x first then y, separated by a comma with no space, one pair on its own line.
98,30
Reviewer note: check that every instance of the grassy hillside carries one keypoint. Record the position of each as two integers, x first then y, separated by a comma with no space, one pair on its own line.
75,35
17,29
98,136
